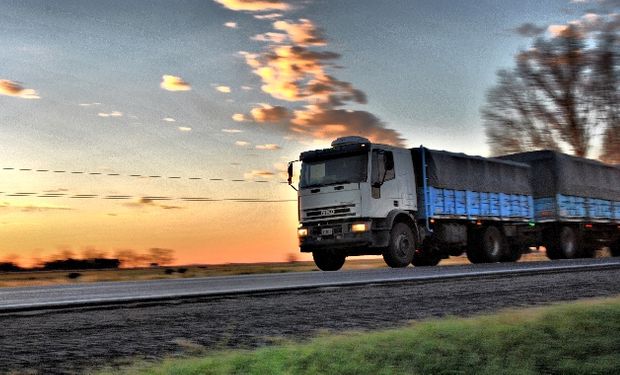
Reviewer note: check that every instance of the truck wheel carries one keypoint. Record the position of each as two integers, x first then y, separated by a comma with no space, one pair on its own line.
328,260
423,259
399,252
514,254
493,244
474,247
614,249
567,243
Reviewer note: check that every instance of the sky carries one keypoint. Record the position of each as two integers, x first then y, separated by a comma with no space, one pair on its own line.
212,91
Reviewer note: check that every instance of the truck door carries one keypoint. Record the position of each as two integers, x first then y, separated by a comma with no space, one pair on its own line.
384,190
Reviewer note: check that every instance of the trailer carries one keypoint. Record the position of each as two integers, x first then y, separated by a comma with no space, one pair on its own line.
576,202
418,206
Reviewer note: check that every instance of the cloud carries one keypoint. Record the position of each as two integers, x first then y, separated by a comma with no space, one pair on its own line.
529,30
185,128
232,131
169,119
145,202
110,114
269,16
268,113
268,147
238,117
223,89
270,37
254,5
557,30
89,104
258,174
303,33
174,83
332,123
232,25
14,89
293,70
242,143
34,207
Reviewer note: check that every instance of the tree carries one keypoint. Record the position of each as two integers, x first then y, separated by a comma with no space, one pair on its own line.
561,95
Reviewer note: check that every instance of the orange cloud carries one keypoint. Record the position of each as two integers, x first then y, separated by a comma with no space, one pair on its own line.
254,5
232,25
223,89
238,117
267,113
242,143
146,203
14,89
303,33
174,83
185,128
292,70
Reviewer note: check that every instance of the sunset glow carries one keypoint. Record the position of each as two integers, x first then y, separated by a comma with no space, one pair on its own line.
135,125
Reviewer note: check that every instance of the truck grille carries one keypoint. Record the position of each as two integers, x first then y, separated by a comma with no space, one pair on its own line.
330,212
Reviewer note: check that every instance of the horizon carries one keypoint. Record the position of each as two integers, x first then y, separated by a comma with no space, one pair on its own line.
168,125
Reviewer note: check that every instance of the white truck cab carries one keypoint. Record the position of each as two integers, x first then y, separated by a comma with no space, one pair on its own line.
350,195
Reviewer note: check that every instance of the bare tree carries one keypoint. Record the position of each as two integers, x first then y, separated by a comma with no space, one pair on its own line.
561,95
161,256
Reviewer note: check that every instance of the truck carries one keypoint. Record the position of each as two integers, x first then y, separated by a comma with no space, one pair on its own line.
419,206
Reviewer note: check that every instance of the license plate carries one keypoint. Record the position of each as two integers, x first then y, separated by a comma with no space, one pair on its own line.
327,232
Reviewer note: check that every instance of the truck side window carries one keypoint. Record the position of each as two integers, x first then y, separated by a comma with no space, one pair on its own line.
390,174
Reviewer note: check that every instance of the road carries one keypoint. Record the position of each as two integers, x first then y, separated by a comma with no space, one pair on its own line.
78,340
107,293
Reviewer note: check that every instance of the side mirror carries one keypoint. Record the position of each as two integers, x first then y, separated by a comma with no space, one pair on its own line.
289,172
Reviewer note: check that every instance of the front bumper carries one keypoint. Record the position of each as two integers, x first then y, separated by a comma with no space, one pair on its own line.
338,236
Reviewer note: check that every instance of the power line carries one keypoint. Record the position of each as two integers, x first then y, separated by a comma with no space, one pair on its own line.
137,175
147,198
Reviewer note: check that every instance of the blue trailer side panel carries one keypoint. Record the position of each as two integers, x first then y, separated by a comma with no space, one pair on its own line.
572,208
474,205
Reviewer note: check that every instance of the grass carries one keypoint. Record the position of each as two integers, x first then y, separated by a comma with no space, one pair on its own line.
40,278
573,338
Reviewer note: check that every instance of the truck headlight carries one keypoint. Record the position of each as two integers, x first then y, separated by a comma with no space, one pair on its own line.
302,232
360,227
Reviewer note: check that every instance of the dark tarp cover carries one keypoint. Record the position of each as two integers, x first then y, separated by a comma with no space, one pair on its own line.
556,173
449,170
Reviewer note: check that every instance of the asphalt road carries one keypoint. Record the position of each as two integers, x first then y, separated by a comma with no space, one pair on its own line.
106,293
79,340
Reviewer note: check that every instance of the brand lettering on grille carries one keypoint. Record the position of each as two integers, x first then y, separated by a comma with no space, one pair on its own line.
327,212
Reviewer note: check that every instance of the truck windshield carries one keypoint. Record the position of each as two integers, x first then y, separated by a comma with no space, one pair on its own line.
344,169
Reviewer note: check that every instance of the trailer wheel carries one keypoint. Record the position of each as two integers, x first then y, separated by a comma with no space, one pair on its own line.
328,260
474,247
399,252
493,244
565,245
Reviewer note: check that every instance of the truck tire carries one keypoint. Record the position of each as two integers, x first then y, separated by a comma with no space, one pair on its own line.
493,244
614,248
328,260
424,259
564,245
399,252
474,247
513,254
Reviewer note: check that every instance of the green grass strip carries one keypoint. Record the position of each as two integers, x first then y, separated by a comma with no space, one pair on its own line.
574,338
